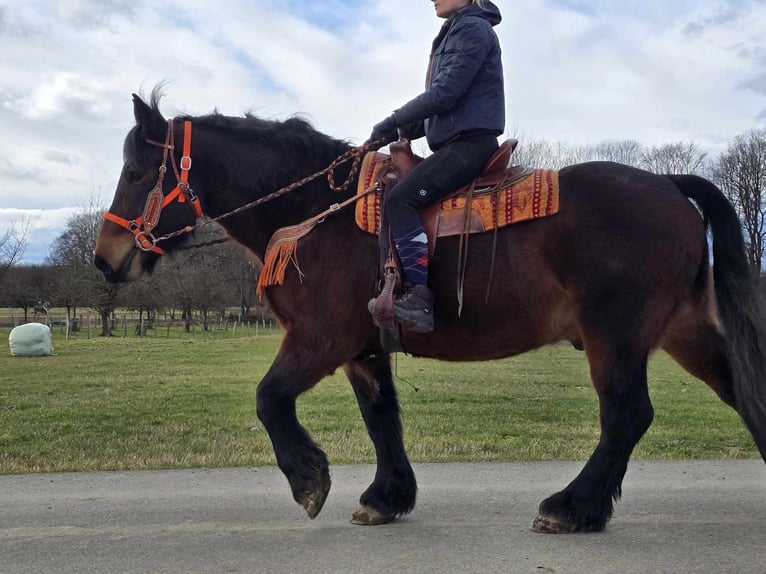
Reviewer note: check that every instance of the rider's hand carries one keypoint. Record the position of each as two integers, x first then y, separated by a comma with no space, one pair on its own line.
385,130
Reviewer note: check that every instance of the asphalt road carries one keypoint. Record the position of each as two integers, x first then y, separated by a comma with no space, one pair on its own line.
696,517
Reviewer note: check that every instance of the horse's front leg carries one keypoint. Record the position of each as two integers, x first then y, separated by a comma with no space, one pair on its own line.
393,491
300,459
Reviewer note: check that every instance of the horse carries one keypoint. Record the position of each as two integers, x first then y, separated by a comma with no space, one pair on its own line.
41,308
621,270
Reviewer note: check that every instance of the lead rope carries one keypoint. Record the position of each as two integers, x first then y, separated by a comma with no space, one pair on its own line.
356,153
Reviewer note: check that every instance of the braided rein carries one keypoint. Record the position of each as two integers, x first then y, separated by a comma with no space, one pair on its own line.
356,153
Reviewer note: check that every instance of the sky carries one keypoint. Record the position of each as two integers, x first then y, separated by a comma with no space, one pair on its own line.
576,71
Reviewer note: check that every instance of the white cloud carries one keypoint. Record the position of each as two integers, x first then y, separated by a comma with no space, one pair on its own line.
655,71
38,219
62,93
42,226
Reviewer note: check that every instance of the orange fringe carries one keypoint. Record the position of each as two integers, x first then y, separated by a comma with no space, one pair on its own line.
275,265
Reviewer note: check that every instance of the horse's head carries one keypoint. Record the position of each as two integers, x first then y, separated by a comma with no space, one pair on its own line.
149,202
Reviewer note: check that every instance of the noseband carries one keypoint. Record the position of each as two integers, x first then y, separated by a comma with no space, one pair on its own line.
156,201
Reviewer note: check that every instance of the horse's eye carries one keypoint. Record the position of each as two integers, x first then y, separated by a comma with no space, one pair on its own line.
133,176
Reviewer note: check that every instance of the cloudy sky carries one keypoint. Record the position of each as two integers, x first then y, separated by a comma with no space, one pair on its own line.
578,71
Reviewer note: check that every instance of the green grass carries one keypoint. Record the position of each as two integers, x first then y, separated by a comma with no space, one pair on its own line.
174,402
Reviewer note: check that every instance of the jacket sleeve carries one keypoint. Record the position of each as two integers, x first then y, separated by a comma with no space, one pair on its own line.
466,49
414,130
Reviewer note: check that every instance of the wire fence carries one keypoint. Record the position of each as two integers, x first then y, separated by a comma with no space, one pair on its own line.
135,325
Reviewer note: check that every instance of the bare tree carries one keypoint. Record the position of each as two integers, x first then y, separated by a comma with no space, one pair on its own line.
239,273
25,287
148,295
535,152
69,288
13,243
740,172
556,155
627,152
677,157
74,247
82,284
246,276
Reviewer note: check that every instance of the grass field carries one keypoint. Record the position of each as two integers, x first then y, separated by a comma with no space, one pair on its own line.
186,402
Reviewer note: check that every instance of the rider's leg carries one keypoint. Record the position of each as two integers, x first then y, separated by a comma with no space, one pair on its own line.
452,166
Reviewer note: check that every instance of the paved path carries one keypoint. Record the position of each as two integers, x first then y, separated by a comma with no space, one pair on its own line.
696,517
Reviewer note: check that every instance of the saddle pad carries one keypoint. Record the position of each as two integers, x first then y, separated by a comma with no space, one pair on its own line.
535,196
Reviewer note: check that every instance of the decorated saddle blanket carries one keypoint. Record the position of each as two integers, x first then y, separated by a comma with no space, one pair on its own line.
497,199
496,205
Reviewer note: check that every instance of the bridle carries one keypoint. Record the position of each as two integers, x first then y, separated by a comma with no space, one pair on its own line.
156,201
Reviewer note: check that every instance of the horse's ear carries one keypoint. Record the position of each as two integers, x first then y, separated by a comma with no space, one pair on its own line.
141,110
148,119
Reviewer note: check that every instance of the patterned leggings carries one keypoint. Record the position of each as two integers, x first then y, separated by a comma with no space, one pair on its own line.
452,166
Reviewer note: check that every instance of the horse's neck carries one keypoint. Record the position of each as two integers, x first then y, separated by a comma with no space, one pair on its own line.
255,226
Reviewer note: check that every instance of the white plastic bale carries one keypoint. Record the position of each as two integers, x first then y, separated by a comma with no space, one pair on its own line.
30,340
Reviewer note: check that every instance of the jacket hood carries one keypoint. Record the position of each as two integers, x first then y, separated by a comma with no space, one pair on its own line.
488,11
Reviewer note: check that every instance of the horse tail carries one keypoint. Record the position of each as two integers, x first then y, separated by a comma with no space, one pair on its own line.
740,306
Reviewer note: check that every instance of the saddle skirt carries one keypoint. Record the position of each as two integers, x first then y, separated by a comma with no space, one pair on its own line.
509,196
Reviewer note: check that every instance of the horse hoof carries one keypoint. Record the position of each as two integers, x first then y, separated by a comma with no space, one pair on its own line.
368,516
551,525
314,501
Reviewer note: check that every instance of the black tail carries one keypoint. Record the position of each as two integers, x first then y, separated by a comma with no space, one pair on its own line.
739,304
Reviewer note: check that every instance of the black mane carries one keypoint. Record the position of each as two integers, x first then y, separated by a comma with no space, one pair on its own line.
293,135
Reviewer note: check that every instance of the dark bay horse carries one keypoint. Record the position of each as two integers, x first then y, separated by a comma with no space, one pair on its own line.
622,269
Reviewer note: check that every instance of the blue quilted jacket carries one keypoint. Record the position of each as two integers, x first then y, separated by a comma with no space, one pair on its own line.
464,86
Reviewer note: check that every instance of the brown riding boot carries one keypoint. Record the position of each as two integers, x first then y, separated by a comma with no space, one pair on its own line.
415,309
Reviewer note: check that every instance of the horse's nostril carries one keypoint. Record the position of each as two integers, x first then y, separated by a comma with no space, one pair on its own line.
103,266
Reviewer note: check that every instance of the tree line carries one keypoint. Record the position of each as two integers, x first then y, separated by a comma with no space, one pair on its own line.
192,285
199,284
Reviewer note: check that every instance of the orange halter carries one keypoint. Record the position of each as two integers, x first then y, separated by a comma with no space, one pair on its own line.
156,201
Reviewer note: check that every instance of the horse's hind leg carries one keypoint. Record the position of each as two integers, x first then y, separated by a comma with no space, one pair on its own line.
393,491
694,340
619,376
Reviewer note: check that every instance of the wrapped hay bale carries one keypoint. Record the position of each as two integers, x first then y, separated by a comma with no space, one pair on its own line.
30,340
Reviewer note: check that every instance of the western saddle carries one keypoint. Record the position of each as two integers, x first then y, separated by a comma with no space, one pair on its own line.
496,175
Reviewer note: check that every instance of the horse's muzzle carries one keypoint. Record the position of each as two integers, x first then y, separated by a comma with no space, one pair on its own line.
105,268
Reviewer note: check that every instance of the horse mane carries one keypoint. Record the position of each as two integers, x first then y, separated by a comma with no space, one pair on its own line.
293,135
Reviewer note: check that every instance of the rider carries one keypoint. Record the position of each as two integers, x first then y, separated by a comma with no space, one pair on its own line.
461,113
